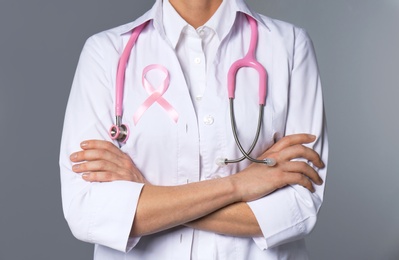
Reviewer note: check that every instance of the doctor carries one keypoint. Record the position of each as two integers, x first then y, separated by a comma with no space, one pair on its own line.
161,195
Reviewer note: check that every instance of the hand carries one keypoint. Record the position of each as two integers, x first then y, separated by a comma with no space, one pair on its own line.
258,180
102,161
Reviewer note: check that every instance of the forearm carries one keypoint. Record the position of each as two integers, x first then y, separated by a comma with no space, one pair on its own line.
161,208
234,220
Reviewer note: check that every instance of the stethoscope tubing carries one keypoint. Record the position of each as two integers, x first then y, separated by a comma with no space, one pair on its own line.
121,71
246,154
119,131
250,61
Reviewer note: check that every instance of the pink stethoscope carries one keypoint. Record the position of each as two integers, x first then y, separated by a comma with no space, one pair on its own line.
120,132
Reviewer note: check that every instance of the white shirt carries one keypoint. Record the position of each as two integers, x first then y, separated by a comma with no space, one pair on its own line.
196,48
170,153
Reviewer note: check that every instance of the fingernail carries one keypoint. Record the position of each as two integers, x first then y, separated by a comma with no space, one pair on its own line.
73,156
76,167
312,136
83,144
322,164
85,176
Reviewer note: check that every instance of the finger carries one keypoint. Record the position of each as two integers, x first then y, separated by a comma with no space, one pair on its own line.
100,145
104,176
293,178
93,154
301,151
305,169
101,176
291,140
95,166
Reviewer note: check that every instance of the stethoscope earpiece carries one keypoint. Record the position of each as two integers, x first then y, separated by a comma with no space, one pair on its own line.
221,162
270,162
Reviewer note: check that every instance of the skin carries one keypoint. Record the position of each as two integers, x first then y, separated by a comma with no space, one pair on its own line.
214,205
196,12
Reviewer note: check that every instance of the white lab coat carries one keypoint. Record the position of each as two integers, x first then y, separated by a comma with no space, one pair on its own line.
170,153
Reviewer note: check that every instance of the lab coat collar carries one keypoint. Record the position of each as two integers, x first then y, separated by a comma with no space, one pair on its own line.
173,24
242,7
156,15
223,20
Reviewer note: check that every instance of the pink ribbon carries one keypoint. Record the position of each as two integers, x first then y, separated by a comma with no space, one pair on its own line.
155,95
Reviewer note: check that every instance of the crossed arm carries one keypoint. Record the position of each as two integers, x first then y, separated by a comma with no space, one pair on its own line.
214,205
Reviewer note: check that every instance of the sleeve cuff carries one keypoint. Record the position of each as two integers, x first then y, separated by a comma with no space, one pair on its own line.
283,217
131,243
112,214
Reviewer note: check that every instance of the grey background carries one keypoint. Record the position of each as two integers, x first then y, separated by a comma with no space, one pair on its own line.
357,45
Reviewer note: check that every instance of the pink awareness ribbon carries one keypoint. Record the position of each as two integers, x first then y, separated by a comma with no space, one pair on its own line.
155,95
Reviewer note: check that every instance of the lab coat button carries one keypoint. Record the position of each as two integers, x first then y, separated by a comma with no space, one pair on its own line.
208,120
197,60
198,98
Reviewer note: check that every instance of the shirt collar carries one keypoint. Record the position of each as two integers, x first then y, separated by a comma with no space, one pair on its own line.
229,8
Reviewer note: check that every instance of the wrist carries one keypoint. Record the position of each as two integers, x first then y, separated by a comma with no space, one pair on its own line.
234,182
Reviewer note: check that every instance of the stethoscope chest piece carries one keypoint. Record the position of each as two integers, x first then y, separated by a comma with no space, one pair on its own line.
119,132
